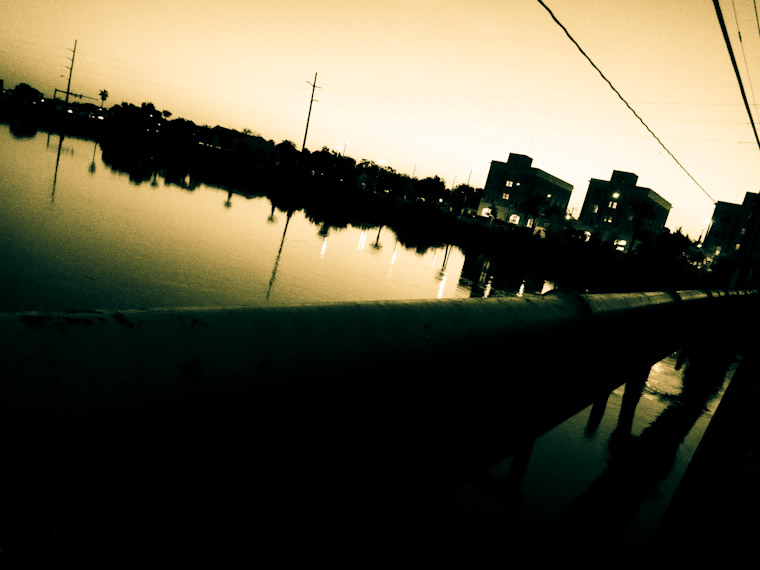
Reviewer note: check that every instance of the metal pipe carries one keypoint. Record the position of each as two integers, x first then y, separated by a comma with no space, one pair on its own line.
122,357
204,424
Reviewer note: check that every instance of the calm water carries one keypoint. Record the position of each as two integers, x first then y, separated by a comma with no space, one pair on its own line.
76,235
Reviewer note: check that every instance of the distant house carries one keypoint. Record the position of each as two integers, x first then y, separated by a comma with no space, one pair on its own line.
622,214
517,193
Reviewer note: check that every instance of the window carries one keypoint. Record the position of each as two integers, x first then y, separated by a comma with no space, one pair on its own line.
612,205
505,196
596,208
514,219
509,184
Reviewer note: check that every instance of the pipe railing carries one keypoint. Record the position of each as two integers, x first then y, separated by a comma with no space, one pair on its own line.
326,400
141,360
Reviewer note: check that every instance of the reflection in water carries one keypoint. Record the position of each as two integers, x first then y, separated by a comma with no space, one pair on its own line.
272,218
57,162
518,470
377,246
596,415
183,276
92,164
394,255
442,285
604,498
279,253
636,465
443,274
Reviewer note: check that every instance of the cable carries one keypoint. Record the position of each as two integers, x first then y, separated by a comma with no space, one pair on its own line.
567,33
736,68
744,55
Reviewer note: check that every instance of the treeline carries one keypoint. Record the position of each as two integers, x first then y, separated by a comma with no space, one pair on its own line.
336,190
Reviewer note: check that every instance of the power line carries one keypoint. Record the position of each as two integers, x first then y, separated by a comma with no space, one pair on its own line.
744,55
567,33
736,68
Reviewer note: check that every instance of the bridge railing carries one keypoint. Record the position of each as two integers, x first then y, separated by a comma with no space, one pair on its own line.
125,359
402,397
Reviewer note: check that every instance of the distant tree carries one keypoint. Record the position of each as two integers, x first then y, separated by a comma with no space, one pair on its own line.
166,114
286,146
674,245
431,189
25,92
103,97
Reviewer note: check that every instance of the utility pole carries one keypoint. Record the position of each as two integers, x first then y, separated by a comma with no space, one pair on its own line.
313,87
71,70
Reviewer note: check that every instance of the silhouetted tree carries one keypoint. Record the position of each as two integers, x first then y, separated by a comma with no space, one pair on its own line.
103,97
23,92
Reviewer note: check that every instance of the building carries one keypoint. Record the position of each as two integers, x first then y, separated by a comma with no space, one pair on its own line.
734,232
620,213
517,193
728,227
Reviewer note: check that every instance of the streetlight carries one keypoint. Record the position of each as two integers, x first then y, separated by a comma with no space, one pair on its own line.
468,178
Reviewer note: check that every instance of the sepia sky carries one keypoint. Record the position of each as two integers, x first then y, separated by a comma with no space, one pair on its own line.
431,87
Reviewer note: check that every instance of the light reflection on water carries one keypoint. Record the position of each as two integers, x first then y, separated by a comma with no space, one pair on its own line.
76,236
576,466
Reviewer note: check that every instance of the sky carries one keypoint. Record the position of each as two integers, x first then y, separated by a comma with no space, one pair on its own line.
432,87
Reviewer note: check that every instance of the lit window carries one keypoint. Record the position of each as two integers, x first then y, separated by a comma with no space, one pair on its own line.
616,195
514,219
505,196
596,208
509,184
612,205
738,246
486,212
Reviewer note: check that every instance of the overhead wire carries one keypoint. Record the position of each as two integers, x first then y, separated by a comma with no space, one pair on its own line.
744,55
577,45
722,23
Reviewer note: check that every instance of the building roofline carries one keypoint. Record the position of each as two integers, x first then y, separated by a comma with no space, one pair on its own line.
553,179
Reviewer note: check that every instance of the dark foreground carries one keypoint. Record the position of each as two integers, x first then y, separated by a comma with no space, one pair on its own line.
355,466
